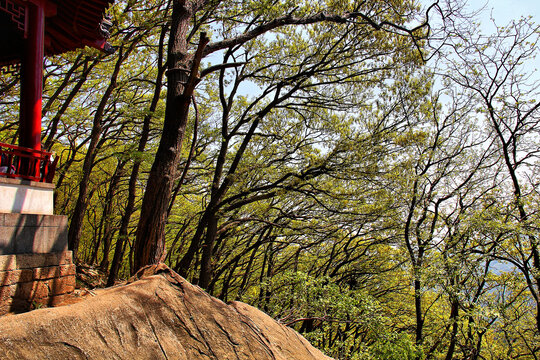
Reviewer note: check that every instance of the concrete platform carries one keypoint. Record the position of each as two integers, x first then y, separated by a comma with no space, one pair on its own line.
26,197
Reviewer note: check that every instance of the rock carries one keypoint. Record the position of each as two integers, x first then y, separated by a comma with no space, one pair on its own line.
91,276
159,315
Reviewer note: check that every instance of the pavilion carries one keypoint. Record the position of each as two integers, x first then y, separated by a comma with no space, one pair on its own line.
35,264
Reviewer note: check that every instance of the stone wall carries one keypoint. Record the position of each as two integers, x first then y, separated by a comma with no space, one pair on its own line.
33,280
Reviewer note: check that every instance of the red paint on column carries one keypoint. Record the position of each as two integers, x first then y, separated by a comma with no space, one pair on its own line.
32,77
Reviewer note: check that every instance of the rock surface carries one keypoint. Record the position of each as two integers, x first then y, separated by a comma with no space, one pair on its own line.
158,316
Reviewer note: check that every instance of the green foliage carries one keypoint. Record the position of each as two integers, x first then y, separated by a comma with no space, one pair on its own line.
393,347
339,172
330,315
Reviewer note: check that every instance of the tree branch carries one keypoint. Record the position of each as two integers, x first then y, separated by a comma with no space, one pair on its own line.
213,68
317,18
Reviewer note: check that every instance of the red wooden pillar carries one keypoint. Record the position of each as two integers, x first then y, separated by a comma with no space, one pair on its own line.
32,77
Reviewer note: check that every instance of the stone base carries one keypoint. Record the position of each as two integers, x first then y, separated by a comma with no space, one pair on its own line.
32,280
32,234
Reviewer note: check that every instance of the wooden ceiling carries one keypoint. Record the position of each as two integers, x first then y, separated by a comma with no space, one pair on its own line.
69,24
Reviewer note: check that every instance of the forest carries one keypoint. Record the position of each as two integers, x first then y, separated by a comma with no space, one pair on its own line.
366,172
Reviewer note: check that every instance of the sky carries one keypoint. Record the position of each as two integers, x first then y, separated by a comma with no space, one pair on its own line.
503,11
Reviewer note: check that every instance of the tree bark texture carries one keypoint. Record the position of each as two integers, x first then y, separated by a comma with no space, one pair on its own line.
150,240
132,187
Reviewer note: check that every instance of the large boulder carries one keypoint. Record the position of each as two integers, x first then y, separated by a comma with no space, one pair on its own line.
158,316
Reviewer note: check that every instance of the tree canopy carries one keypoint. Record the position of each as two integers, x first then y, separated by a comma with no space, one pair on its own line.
363,171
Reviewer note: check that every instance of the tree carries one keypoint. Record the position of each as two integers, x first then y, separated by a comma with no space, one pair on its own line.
188,17
493,69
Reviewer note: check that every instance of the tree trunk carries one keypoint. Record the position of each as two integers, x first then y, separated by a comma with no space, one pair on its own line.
454,312
132,187
182,267
82,201
53,125
247,271
109,231
207,251
150,240
64,84
418,312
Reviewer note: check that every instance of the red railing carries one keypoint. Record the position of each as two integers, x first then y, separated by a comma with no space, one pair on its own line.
24,163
